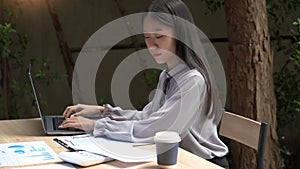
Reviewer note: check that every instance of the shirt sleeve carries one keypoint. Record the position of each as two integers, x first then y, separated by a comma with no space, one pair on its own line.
176,114
117,113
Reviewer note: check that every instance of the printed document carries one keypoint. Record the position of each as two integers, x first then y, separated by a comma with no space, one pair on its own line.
24,153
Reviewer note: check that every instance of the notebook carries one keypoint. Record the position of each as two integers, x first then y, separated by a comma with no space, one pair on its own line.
50,122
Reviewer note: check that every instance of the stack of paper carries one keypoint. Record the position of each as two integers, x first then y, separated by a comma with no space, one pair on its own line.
122,151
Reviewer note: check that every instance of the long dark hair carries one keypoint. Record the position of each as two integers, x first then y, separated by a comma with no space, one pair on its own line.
179,9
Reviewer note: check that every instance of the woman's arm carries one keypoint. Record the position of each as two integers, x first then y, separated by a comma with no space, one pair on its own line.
117,113
83,110
177,114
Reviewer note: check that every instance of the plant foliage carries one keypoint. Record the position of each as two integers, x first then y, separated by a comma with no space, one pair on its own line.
287,90
13,45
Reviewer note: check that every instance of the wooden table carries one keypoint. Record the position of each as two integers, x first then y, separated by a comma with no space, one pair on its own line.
31,130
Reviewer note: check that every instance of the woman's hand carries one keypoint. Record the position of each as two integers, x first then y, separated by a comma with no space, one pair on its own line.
79,122
83,110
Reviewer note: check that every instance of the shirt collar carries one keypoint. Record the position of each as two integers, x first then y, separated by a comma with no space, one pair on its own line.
175,70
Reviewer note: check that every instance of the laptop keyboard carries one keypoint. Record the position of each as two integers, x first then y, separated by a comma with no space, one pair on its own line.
57,122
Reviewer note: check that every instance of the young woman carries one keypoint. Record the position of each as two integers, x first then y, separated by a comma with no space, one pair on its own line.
186,100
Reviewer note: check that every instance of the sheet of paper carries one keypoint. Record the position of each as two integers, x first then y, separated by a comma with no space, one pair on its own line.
123,151
126,151
24,153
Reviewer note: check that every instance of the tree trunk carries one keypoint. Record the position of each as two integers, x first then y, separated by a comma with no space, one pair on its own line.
3,71
250,70
4,86
63,45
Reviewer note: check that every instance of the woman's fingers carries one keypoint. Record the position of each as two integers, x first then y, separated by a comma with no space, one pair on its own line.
71,122
66,112
79,122
69,111
82,110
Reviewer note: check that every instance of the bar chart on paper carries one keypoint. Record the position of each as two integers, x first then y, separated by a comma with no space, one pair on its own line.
23,153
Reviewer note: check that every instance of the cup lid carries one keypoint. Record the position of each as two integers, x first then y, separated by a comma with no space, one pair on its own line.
167,137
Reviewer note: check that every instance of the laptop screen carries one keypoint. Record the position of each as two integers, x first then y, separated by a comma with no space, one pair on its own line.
36,96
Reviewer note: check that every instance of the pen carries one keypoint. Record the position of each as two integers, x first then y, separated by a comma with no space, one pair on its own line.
64,144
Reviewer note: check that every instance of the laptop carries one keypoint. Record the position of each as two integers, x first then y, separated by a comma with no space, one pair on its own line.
51,122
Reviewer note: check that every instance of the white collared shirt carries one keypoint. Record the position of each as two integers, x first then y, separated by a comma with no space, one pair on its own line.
182,111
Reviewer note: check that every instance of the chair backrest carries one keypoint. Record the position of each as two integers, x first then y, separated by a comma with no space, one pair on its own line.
246,131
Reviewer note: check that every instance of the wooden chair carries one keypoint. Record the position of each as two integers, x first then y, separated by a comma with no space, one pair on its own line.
246,131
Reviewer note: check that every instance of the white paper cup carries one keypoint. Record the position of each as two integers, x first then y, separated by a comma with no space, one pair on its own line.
167,148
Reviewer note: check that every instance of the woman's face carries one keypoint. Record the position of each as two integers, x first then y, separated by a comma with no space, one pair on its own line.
159,41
